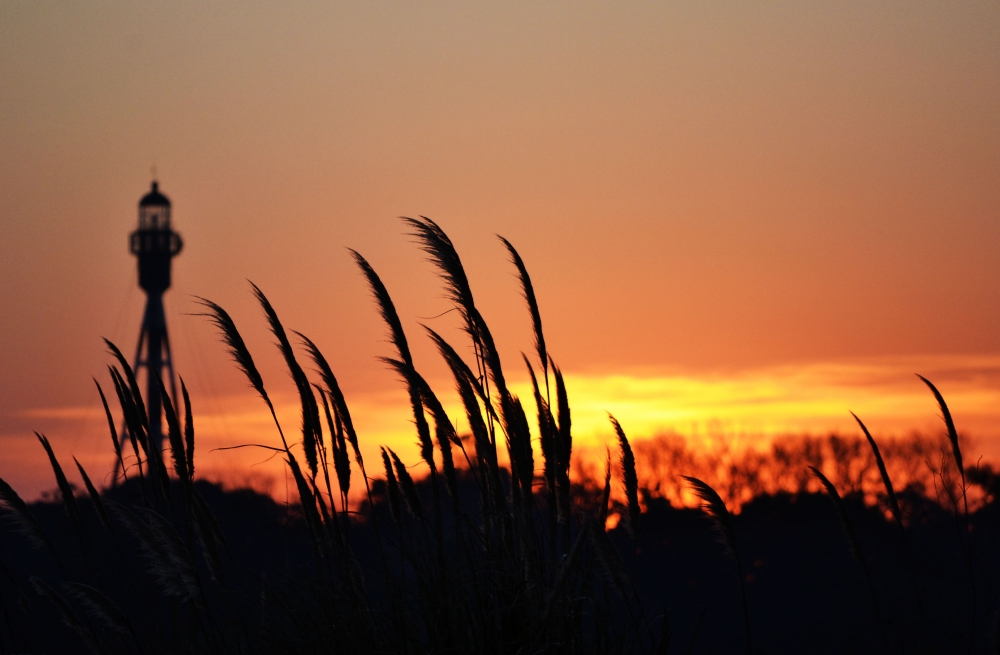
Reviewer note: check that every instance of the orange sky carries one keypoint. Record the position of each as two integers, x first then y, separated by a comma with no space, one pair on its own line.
760,199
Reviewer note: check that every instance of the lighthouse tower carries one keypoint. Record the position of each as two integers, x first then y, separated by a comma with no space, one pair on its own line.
155,244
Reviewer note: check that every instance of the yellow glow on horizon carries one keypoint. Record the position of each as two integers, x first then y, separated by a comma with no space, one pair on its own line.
743,410
746,409
811,398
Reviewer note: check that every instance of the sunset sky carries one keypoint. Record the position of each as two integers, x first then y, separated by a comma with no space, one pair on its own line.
742,217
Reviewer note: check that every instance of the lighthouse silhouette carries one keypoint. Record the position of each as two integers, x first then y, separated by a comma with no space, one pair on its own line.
155,244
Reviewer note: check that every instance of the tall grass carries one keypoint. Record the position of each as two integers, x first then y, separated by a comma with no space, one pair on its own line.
966,534
481,558
488,565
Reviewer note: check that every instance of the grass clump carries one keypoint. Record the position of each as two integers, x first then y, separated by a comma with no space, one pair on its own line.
453,553
484,565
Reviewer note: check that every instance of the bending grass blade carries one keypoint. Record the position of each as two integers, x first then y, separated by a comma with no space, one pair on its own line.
310,411
336,397
132,384
241,355
957,453
716,510
897,515
855,547
469,391
442,253
136,434
341,462
413,384
546,435
950,424
398,337
563,448
174,436
111,428
444,431
386,308
845,520
95,496
234,343
886,481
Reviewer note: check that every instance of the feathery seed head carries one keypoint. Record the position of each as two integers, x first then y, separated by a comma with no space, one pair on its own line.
716,510
949,424
629,479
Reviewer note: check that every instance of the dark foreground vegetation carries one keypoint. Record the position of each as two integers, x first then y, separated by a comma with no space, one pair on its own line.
477,556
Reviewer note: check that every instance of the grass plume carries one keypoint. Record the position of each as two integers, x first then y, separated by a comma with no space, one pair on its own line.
950,425
241,355
529,297
132,384
336,396
398,338
311,430
629,480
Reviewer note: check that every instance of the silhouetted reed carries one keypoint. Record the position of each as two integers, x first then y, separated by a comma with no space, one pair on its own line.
716,510
854,546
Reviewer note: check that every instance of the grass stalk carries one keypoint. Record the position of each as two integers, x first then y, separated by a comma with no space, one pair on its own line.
966,540
715,508
855,548
897,516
